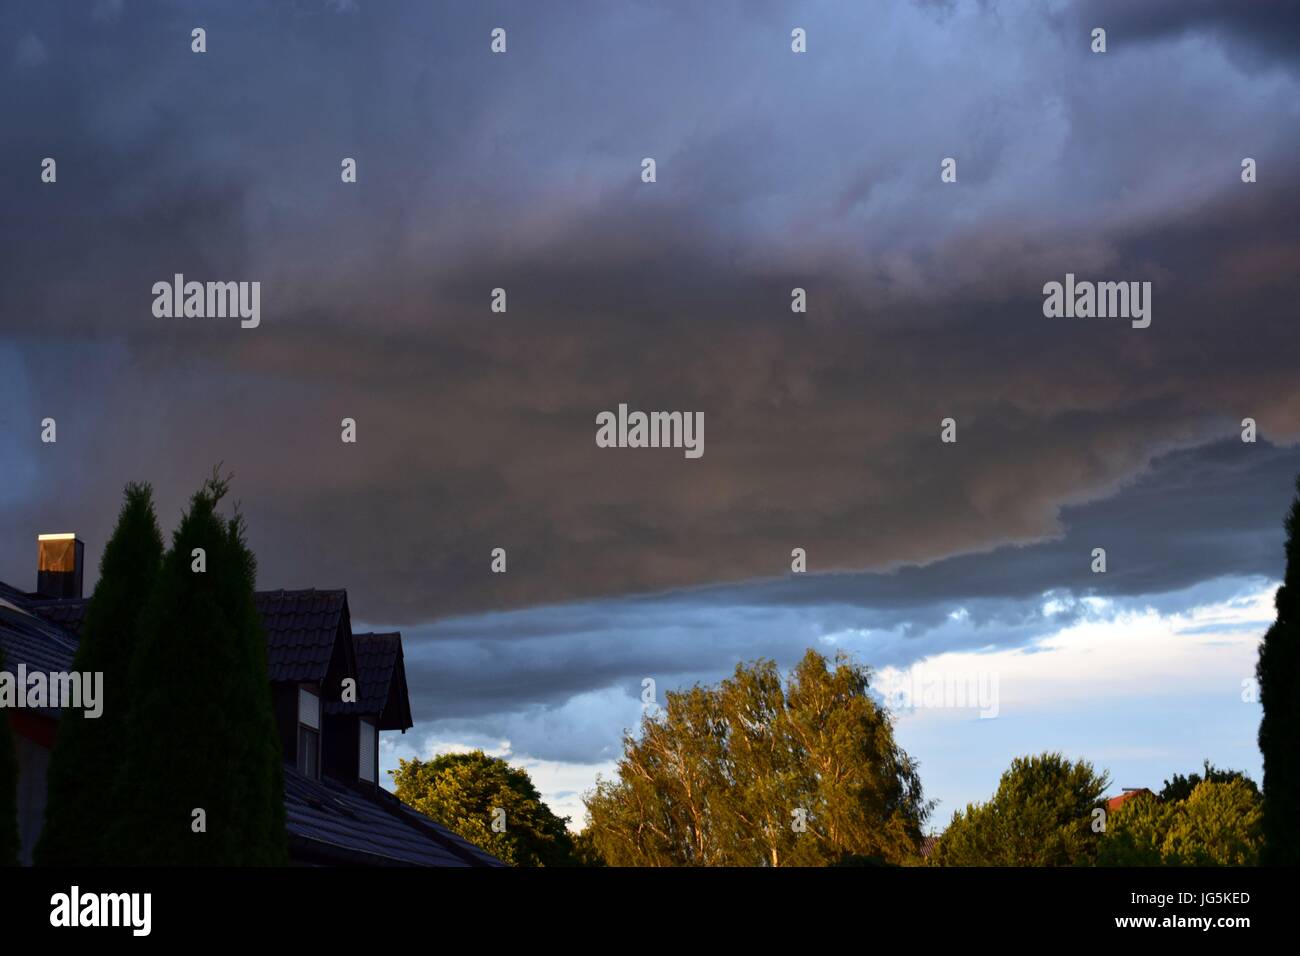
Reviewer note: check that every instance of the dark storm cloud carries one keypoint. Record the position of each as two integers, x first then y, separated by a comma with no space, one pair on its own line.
477,431
1261,32
1200,522
562,682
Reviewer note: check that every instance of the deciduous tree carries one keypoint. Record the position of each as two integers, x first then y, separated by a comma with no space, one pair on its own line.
1220,824
1136,832
491,804
1180,787
757,772
1041,815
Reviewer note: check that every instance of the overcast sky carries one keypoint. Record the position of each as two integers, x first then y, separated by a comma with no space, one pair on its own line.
774,170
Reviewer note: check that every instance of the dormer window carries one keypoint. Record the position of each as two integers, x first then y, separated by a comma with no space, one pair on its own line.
308,731
367,756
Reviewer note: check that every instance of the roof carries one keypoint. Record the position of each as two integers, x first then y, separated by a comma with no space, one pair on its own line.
68,615
463,846
333,824
26,639
327,822
381,682
21,598
300,626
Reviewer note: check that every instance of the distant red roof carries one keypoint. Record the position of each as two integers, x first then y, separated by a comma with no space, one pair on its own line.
1114,803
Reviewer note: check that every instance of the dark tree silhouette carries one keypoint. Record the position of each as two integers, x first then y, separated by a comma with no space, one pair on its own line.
88,753
1278,673
1180,787
202,781
8,792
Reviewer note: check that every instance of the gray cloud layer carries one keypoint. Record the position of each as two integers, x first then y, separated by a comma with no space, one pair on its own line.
1189,532
521,171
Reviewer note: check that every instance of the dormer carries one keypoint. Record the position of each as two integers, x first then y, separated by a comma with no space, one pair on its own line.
382,703
310,654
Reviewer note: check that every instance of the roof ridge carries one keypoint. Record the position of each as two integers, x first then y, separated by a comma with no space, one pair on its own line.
270,591
444,835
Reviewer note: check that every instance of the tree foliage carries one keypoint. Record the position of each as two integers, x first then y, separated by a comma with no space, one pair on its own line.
88,753
1218,824
1136,832
201,735
1278,673
585,850
1181,787
1041,815
756,773
467,793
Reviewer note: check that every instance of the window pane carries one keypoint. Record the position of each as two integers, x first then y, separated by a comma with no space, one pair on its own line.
308,708
366,758
309,751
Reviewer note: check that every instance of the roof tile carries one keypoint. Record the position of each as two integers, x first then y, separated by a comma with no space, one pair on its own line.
342,823
300,628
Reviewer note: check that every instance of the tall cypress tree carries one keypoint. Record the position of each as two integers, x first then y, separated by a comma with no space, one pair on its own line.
202,780
1278,673
8,792
88,753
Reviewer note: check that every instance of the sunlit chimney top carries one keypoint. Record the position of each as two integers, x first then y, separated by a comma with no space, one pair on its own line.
60,559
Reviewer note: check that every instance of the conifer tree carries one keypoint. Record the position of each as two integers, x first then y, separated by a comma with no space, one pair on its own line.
202,781
1278,673
8,792
88,752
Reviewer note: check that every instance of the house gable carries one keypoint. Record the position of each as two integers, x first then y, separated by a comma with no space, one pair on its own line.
310,646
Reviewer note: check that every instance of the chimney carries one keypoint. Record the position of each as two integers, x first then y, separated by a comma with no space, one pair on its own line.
59,562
